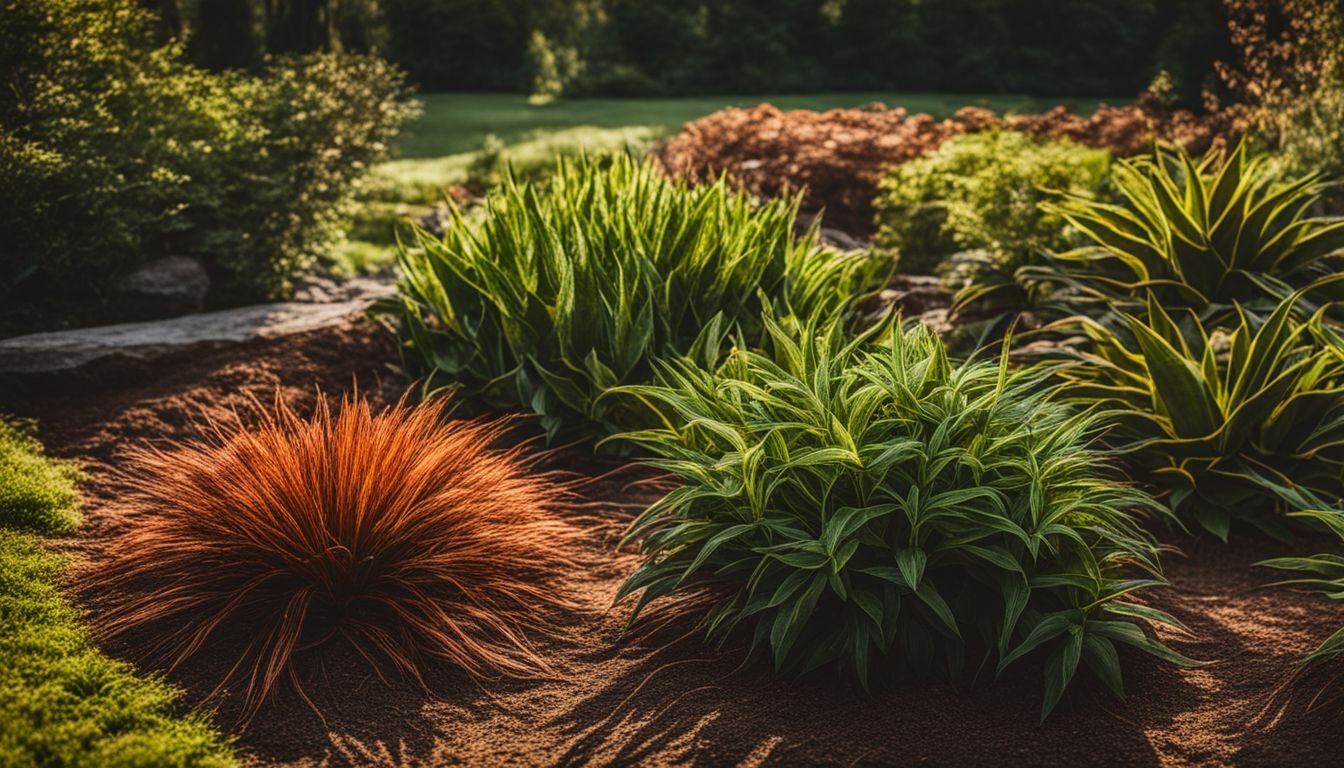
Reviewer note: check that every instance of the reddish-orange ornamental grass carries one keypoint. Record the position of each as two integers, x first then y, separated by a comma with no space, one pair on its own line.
399,532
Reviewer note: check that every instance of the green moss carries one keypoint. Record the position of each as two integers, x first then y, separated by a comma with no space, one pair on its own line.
62,703
36,493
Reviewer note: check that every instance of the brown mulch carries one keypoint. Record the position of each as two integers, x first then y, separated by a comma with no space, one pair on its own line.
841,154
660,697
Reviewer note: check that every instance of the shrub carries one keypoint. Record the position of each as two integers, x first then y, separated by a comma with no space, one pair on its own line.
568,289
407,537
1287,75
848,498
1311,137
36,493
1225,422
276,192
115,151
1200,236
64,703
981,190
97,124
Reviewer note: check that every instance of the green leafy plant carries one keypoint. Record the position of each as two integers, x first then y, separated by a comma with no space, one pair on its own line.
569,288
1204,236
115,151
852,500
1324,572
37,493
981,190
1226,422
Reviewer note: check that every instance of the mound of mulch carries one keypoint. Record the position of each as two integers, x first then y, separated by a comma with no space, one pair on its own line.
658,696
840,155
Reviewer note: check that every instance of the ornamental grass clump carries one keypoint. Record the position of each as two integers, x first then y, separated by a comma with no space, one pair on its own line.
855,501
396,533
1230,424
567,289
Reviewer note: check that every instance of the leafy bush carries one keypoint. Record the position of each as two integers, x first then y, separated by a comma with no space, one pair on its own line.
1226,422
36,493
568,289
404,535
64,703
982,190
1200,236
1287,77
1311,137
850,498
115,151
278,188
97,124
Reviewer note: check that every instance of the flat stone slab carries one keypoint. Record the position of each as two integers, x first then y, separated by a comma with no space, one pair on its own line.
59,351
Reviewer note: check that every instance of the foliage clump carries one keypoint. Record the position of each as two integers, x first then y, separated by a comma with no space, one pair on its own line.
403,534
569,288
1207,236
982,190
114,151
1232,423
853,501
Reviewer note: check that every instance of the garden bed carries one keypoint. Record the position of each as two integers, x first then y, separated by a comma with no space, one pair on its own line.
660,696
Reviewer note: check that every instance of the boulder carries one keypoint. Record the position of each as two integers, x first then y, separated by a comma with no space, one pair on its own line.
166,287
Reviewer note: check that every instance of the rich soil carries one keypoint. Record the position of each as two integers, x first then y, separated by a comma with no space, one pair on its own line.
661,697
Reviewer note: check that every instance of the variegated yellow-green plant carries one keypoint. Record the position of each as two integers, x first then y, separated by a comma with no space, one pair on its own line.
1227,422
1205,236
568,288
869,506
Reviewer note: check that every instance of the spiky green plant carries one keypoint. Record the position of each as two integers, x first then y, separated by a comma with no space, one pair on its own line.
1226,422
1324,572
568,289
853,500
1204,235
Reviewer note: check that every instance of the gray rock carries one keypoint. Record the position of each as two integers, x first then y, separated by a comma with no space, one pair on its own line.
62,351
166,287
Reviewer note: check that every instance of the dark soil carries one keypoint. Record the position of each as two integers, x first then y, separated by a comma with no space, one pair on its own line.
661,697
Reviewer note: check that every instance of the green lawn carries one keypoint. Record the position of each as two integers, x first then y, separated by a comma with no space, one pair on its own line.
454,123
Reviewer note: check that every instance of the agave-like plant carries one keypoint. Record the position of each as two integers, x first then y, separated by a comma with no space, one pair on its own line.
852,500
1206,236
401,534
568,289
1227,422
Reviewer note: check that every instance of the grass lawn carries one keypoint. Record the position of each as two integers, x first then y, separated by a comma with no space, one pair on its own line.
454,123
437,150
